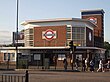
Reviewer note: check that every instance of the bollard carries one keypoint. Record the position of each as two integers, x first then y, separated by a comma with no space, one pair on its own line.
26,76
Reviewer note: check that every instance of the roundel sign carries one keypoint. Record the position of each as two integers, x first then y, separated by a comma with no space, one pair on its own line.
49,34
93,19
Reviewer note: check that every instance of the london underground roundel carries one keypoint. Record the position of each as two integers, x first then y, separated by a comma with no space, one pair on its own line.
49,34
93,19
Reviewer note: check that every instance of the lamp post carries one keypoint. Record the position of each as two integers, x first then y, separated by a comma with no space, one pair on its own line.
17,4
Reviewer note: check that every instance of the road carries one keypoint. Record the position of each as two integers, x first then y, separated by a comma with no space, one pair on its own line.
69,77
56,76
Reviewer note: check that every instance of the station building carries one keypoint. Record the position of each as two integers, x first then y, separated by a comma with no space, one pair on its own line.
97,17
48,40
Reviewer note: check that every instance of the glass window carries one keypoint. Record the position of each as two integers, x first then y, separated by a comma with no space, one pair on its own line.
61,56
78,30
78,35
30,37
68,29
12,56
30,31
37,56
74,36
82,30
9,56
82,36
68,35
30,43
74,29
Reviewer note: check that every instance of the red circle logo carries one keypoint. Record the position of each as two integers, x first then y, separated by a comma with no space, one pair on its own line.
49,34
94,20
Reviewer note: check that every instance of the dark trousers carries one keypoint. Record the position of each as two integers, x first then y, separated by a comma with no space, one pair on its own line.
83,68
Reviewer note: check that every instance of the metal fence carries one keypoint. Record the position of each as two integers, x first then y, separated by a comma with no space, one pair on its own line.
15,77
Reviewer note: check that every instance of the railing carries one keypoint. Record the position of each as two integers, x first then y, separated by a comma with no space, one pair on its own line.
15,77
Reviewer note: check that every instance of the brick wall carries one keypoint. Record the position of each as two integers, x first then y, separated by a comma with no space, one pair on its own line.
98,30
60,39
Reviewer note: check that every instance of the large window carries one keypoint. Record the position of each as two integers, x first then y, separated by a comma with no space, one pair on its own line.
78,36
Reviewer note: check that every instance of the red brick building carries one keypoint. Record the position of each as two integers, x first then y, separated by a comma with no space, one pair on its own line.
47,39
51,37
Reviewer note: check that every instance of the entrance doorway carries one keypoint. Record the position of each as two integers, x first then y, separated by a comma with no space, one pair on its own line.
50,57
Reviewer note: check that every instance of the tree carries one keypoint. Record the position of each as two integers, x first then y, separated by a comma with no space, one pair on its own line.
107,45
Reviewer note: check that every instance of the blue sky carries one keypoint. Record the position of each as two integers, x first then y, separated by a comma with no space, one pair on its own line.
44,9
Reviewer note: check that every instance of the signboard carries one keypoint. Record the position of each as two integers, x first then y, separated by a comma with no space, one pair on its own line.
20,37
93,19
49,34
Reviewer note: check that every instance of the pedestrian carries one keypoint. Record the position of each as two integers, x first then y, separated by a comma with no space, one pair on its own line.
101,66
55,61
65,63
77,63
108,66
86,64
83,64
92,66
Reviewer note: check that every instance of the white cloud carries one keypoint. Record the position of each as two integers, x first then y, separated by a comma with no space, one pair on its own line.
5,37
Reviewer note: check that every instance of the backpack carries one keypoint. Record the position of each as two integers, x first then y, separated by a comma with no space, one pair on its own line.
91,63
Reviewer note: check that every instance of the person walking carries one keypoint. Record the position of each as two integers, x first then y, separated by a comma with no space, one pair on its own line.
65,64
108,66
86,64
83,64
77,63
92,66
101,67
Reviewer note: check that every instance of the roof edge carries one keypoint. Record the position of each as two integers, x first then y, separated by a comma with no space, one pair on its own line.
88,10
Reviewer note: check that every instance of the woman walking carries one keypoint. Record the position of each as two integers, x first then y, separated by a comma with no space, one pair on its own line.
101,67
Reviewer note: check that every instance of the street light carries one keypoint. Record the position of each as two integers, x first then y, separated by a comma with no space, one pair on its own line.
17,5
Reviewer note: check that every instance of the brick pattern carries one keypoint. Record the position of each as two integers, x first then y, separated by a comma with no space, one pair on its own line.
98,30
60,38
